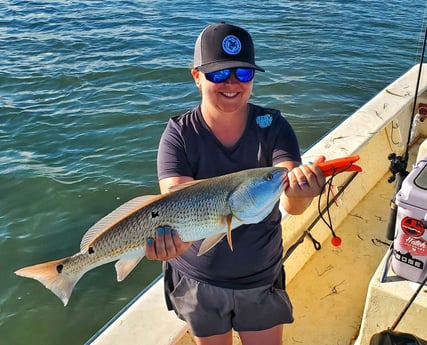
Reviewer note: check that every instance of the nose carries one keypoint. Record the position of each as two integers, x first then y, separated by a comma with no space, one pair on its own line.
232,79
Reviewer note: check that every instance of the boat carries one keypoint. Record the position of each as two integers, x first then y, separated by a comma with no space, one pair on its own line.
341,294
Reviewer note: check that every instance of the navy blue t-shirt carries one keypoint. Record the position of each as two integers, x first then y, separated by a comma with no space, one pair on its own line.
189,148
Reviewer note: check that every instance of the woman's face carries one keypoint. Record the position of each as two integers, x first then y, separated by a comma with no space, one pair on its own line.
230,96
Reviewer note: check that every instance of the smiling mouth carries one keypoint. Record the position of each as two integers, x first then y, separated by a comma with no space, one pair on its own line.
229,94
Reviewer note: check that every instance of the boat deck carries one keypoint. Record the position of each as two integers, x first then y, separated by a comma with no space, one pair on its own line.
336,278
335,273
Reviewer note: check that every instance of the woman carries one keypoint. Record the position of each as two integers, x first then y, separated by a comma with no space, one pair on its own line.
243,289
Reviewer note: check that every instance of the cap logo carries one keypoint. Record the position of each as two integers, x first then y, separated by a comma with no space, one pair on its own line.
231,45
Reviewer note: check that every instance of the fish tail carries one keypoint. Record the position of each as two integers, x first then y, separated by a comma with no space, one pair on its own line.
52,275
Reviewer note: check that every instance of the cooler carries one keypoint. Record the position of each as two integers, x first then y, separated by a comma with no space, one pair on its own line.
410,241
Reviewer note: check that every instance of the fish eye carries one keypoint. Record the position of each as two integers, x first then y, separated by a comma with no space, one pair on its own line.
269,177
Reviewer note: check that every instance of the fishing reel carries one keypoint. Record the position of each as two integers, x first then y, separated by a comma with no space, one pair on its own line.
398,165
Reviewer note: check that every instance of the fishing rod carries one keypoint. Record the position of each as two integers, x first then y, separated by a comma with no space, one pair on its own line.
390,336
399,164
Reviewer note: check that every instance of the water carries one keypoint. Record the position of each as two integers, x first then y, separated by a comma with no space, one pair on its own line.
86,88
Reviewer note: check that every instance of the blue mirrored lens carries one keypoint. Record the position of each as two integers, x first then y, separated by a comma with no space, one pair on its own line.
218,76
243,75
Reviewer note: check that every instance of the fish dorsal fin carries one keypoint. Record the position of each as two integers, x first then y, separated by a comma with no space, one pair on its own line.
184,185
111,219
209,242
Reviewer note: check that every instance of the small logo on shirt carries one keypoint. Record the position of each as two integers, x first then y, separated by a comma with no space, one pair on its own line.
264,121
231,45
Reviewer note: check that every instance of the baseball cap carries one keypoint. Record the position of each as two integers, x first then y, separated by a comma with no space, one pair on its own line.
221,45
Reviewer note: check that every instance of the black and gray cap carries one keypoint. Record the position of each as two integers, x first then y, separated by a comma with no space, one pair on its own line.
223,45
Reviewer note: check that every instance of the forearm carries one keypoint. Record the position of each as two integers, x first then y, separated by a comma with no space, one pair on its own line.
295,205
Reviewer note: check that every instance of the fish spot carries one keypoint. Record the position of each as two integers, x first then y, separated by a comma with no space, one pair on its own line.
59,268
91,250
154,214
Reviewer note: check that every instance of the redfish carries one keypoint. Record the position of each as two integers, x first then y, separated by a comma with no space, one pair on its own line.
203,209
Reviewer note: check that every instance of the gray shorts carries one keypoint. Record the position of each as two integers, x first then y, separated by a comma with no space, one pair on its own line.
211,310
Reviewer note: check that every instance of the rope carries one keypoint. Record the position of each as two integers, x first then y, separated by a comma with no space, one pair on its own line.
329,202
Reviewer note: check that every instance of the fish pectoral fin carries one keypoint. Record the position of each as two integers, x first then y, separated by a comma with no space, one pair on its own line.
209,243
127,263
229,220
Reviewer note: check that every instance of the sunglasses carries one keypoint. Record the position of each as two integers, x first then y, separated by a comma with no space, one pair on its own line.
243,75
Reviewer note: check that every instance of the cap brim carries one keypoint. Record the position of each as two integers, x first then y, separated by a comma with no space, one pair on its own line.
219,65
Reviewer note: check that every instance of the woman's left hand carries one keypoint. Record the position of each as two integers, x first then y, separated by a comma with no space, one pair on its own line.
306,180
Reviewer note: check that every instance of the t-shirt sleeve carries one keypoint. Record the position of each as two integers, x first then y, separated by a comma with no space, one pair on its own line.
285,144
171,156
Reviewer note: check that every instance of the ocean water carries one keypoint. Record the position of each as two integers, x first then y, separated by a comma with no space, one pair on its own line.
86,88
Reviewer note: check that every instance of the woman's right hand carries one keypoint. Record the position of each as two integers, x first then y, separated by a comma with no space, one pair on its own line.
166,245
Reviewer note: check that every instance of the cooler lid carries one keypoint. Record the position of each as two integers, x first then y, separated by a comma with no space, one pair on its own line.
421,179
414,187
